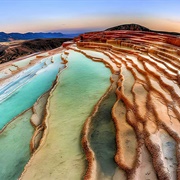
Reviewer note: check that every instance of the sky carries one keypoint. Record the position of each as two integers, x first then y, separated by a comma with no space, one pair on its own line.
74,16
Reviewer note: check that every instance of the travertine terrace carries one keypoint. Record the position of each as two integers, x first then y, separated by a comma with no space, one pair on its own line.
147,111
111,110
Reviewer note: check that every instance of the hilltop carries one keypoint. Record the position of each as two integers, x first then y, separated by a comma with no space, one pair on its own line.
137,27
133,27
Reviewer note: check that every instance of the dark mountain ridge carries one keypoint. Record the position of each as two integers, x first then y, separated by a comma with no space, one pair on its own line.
137,27
5,37
133,27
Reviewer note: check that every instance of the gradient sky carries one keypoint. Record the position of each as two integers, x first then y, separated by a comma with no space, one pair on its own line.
71,16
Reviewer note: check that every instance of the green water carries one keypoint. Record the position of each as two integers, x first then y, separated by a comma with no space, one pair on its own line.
24,97
80,87
102,136
14,147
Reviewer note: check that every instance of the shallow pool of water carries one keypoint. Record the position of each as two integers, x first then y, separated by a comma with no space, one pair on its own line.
14,147
24,97
80,87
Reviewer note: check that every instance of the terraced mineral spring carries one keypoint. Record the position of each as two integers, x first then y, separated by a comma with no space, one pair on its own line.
79,88
14,146
25,96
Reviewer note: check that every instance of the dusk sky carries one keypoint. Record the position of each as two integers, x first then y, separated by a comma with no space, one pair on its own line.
72,16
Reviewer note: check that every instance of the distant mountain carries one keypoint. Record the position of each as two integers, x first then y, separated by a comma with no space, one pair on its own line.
19,48
133,27
4,37
137,27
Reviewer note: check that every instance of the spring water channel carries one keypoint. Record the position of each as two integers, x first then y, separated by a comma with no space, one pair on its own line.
71,101
26,89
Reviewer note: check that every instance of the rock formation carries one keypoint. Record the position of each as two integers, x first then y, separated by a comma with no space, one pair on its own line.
146,113
132,131
17,49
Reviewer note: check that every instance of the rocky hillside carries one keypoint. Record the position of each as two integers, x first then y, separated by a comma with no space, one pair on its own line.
133,27
17,49
137,27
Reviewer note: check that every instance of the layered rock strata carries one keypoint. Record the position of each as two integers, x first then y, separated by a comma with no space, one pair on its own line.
146,113
133,131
